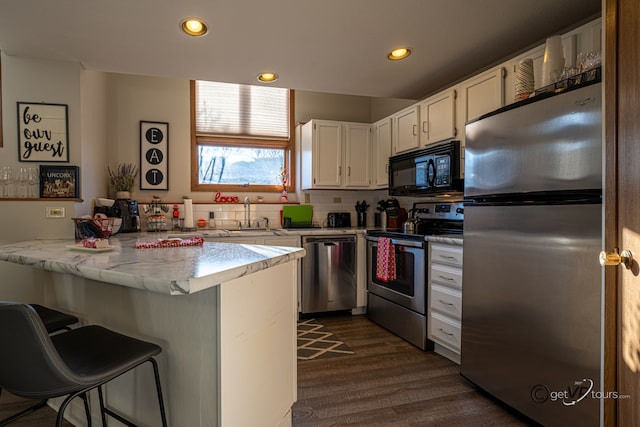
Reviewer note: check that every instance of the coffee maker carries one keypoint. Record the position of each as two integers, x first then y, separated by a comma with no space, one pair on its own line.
126,209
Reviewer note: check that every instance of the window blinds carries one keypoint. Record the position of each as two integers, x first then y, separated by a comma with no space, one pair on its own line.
225,109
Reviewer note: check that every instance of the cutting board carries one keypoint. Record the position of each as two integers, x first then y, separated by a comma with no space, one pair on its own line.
299,214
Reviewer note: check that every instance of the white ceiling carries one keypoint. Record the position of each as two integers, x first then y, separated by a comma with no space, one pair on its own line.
334,46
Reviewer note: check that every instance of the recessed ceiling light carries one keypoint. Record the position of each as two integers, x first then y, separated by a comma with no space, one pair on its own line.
399,53
267,77
194,27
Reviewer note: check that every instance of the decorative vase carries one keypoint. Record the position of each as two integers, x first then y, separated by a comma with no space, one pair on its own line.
123,195
284,197
553,62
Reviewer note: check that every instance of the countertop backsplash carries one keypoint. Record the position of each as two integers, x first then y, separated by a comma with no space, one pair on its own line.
230,215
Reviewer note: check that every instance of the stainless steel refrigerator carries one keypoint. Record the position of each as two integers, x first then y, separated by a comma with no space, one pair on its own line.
532,286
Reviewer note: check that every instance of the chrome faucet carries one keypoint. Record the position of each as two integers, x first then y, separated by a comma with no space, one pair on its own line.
247,212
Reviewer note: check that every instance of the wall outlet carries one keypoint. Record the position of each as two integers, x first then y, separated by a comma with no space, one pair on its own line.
54,212
337,200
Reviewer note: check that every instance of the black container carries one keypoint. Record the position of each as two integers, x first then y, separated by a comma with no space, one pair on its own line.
339,220
127,209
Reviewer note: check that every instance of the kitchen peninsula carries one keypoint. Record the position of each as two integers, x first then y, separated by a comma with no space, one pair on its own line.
224,314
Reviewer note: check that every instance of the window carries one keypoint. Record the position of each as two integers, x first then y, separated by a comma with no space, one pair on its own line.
242,137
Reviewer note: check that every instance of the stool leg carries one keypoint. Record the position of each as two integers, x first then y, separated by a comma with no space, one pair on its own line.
69,398
83,396
156,374
102,409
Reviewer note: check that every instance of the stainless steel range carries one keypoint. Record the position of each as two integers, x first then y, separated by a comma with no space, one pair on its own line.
400,304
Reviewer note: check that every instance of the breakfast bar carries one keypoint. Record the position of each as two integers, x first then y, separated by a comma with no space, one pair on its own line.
223,313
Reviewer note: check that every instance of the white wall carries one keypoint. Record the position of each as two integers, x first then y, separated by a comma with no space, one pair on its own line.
136,98
105,111
94,131
32,80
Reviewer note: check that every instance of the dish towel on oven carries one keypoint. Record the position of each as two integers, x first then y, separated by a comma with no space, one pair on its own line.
386,260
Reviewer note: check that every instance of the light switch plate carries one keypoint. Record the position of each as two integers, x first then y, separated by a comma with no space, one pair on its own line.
54,212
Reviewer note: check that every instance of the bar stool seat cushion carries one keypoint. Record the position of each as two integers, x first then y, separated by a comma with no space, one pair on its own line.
54,320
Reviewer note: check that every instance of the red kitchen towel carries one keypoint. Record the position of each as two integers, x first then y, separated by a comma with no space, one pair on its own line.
386,260
170,243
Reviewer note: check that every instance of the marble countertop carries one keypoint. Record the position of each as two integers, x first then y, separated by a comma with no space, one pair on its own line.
452,239
175,271
215,233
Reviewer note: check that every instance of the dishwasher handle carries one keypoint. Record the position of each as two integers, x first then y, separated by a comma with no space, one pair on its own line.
329,241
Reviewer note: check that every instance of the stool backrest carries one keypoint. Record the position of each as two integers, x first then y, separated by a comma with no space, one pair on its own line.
30,366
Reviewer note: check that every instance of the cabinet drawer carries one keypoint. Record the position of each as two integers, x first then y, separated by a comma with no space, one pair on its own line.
446,254
450,276
446,300
445,331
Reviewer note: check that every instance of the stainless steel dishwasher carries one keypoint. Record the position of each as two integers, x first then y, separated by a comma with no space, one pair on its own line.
329,273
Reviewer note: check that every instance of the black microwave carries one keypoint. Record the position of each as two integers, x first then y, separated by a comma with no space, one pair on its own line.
431,171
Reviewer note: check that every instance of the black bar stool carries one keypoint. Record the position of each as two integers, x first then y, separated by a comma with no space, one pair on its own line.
54,321
35,365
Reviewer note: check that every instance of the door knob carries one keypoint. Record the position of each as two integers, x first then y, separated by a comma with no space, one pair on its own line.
614,258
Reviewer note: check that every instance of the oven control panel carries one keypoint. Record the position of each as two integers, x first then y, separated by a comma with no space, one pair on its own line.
435,210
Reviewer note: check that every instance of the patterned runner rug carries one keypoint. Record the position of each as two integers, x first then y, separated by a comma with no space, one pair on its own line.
316,342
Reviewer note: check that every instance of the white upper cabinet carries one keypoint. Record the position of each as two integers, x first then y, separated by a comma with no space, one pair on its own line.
357,155
482,94
438,117
321,146
381,152
335,155
405,124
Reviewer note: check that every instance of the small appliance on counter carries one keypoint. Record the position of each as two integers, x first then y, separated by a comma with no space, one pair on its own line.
394,215
127,209
339,220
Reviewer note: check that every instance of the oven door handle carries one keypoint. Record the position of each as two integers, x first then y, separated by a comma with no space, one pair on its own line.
397,242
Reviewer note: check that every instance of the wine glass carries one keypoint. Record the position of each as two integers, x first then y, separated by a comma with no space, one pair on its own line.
22,177
6,179
33,178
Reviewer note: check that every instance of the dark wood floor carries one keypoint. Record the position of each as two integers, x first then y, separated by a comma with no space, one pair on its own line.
389,382
43,417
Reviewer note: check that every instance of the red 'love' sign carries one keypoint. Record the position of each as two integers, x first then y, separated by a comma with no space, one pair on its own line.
219,198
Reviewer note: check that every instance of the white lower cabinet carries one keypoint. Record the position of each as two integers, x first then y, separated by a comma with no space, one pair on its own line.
445,298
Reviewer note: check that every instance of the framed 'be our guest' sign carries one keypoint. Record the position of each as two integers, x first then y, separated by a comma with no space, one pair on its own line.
154,161
42,132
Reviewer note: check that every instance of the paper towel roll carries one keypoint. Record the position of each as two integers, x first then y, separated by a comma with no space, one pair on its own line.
188,213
